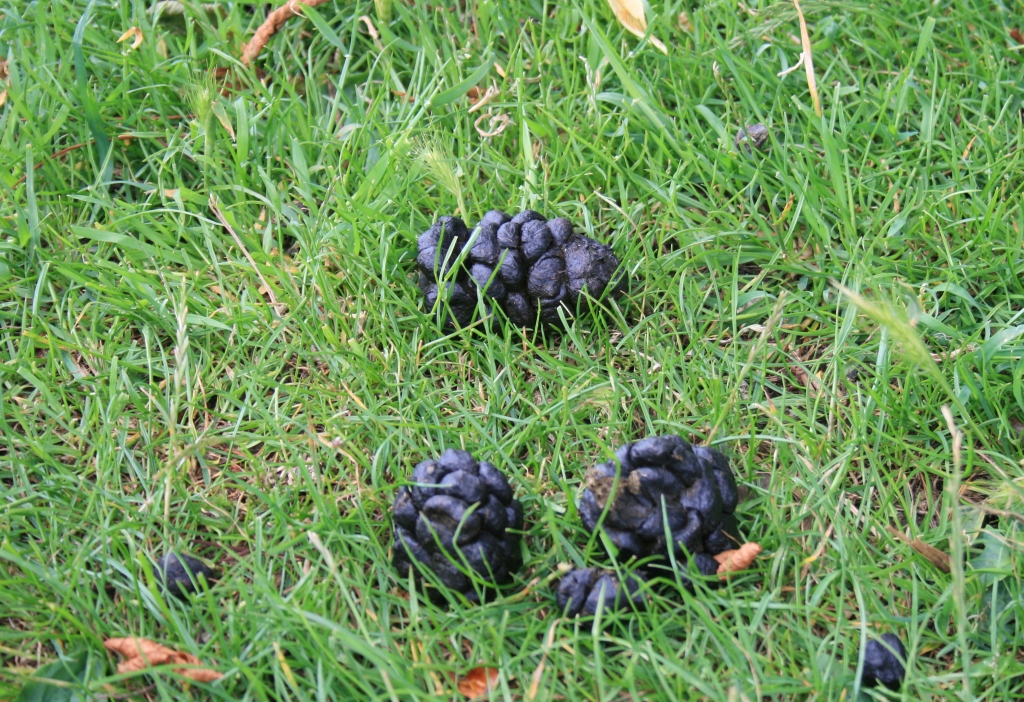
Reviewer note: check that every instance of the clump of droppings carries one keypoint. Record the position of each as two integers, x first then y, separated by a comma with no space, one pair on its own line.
587,591
458,519
530,267
662,495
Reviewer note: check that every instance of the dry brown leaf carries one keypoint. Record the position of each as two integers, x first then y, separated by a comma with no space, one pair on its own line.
141,654
136,34
478,682
737,559
1017,36
631,14
938,558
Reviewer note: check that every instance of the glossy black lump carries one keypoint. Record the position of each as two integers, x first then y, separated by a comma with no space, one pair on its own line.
527,265
696,486
459,515
883,662
584,591
179,574
756,136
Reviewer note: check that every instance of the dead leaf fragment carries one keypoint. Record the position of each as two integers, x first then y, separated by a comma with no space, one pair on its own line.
478,682
141,654
135,34
631,14
938,558
737,559
1017,36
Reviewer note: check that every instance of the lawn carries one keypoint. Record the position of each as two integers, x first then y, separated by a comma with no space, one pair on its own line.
213,339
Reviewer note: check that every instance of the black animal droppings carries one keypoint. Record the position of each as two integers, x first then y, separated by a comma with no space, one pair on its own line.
663,483
179,574
585,591
756,135
459,515
883,662
528,266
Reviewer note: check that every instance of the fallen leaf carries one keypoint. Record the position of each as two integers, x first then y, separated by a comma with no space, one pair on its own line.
737,559
631,14
938,558
478,682
141,654
135,34
1017,36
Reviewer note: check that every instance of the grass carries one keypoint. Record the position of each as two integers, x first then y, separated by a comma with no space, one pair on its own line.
164,388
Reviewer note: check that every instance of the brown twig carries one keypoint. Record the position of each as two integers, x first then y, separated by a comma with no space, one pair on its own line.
275,20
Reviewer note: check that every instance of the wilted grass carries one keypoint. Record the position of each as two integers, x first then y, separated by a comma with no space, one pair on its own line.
254,399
